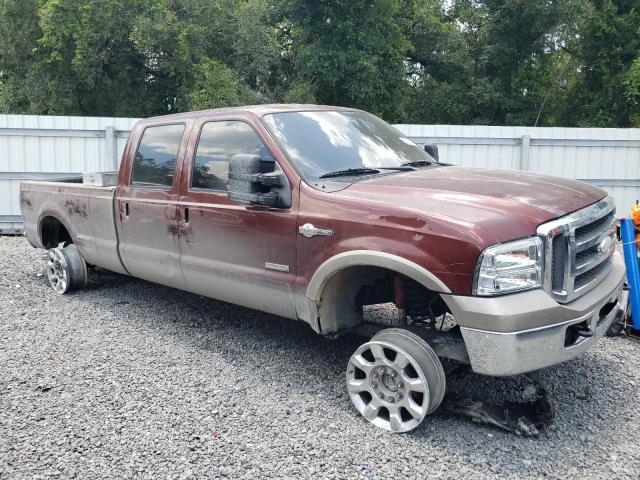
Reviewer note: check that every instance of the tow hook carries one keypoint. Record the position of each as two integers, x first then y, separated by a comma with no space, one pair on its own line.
576,333
583,331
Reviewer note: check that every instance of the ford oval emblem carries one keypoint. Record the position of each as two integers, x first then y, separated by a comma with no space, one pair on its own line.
605,245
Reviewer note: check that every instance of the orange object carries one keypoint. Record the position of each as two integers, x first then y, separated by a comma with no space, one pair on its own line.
635,216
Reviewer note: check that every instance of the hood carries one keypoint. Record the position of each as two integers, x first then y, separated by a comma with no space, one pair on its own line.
498,205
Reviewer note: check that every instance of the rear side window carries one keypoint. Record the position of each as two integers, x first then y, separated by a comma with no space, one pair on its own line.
155,159
218,142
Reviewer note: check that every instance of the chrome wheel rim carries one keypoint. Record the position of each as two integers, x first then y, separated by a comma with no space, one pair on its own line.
57,271
387,386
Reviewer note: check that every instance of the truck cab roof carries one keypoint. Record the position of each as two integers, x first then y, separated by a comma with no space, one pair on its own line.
257,110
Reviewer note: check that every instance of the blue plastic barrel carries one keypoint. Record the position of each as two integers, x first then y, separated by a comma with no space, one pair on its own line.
630,248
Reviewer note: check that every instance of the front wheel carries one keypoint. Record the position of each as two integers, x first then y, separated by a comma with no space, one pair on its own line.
66,269
395,380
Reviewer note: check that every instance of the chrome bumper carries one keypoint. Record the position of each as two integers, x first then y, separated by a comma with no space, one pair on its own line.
502,354
509,351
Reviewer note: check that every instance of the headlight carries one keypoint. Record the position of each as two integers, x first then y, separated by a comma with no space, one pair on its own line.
509,267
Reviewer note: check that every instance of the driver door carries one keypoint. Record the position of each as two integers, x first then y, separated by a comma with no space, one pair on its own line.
243,254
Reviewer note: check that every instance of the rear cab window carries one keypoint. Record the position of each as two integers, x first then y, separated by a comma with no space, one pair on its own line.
154,163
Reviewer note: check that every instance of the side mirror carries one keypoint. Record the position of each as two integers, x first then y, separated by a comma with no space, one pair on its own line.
248,184
433,151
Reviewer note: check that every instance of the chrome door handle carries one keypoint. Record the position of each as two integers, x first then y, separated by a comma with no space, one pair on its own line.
308,230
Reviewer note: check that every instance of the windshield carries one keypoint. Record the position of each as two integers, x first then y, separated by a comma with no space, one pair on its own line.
322,142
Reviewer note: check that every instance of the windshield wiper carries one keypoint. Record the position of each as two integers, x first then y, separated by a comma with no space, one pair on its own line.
350,172
420,163
403,168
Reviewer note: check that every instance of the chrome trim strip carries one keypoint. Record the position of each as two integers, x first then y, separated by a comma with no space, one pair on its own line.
536,329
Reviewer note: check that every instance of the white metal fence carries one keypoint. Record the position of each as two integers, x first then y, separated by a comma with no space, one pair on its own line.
44,147
40,147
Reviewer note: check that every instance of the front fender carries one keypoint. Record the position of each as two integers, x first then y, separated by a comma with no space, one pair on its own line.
373,259
338,314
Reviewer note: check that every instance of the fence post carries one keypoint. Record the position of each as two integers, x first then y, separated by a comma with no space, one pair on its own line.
525,143
111,147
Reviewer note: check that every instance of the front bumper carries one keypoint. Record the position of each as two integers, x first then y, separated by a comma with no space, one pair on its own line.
527,331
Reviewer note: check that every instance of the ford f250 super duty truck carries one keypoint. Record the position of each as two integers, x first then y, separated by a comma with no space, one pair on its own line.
316,213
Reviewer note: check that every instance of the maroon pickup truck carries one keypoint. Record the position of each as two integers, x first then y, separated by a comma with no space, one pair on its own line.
317,213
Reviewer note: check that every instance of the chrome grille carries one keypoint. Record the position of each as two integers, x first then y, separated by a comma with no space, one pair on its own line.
577,253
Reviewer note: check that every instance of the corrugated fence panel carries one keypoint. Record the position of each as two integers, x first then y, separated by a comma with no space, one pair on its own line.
34,146
40,147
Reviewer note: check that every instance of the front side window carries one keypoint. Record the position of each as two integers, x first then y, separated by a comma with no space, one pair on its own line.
321,142
155,161
218,142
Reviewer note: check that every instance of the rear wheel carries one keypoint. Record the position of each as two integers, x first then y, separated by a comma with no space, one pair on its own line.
66,269
395,380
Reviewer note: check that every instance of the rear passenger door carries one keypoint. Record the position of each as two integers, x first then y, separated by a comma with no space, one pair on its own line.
146,205
243,254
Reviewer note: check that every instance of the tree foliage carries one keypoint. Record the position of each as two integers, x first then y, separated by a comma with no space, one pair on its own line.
521,62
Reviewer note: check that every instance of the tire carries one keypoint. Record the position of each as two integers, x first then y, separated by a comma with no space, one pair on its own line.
395,380
66,269
616,326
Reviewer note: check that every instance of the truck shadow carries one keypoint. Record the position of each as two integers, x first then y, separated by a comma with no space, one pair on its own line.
288,353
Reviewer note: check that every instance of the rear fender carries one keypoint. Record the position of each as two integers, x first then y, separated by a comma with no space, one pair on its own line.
53,210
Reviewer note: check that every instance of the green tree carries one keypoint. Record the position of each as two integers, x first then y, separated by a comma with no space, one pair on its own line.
256,53
214,86
521,62
117,57
438,63
22,85
632,92
607,50
352,52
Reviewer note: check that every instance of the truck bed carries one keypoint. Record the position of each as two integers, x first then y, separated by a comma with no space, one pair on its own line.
86,211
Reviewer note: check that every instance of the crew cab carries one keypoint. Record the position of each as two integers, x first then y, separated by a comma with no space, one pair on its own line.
315,213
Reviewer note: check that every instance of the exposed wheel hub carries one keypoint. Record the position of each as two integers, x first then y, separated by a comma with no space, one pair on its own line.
385,382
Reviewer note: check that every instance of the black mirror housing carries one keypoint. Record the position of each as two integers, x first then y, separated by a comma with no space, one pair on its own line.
247,183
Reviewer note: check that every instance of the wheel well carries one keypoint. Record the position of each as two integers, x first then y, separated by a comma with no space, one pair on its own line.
345,294
53,233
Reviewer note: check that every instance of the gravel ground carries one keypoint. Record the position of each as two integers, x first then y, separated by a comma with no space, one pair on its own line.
128,379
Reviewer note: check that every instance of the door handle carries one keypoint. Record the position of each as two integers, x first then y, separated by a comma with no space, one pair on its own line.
126,211
185,216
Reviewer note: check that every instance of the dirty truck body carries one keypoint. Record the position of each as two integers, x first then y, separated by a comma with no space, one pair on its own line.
312,212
